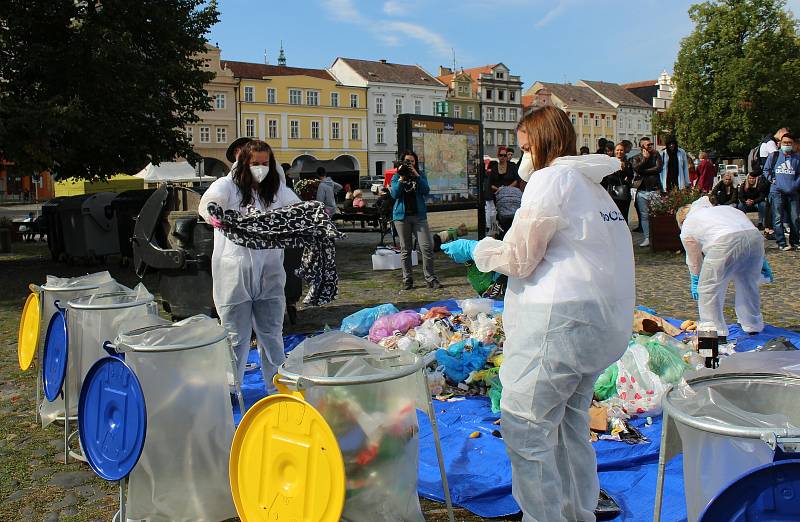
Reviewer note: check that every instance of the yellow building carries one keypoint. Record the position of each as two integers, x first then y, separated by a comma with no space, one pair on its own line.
591,116
307,117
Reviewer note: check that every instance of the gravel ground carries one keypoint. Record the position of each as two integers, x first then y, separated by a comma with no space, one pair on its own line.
35,485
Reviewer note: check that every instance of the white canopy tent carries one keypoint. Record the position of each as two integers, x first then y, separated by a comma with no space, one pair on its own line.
171,172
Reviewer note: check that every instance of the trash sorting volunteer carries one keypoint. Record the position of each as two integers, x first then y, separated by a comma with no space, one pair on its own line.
248,284
568,315
722,244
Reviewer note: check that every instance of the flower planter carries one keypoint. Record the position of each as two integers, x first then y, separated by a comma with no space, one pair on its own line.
664,233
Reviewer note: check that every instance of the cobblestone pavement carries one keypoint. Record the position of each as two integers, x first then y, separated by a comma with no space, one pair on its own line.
35,485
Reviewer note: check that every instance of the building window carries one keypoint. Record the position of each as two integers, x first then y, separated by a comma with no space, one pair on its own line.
512,96
379,105
271,95
354,131
457,111
379,134
222,135
294,129
585,120
354,101
205,134
499,75
501,116
418,106
398,105
335,130
489,113
273,129
488,138
189,134
433,108
295,96
512,114
249,92
501,95
585,142
609,121
334,99
219,100
501,138
596,120
312,98
512,139
314,130
488,94
250,127
573,119
470,113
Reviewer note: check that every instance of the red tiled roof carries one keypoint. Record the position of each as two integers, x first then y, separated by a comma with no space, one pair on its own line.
645,83
617,93
259,70
387,72
527,101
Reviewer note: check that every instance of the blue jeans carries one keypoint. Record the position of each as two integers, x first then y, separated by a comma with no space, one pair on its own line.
760,207
782,203
642,198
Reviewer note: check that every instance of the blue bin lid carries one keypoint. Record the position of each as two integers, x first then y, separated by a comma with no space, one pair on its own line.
768,493
56,351
112,418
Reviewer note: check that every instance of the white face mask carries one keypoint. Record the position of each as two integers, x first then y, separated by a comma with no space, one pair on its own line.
525,168
259,172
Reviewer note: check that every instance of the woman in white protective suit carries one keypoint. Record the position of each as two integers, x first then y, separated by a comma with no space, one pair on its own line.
248,284
723,245
568,315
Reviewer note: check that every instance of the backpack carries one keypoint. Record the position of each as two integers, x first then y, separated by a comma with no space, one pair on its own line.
754,161
772,159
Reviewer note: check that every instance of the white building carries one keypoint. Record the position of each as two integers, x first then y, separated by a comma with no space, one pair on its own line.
657,93
392,89
634,115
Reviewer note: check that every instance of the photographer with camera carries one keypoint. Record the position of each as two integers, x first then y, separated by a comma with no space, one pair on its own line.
408,189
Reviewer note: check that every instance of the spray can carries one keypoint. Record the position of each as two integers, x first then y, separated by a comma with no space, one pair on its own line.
708,344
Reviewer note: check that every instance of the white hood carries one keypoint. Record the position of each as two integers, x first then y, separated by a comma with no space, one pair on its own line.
593,166
703,202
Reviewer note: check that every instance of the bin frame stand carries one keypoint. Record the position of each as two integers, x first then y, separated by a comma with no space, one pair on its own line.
286,380
783,442
237,386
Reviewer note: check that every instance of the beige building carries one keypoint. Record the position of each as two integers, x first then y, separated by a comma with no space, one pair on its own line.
216,129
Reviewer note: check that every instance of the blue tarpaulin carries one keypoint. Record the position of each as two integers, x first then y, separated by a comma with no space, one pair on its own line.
479,471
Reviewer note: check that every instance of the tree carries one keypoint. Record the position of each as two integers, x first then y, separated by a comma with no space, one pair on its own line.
737,75
91,88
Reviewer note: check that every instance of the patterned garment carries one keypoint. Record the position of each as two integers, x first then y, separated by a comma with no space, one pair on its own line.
303,225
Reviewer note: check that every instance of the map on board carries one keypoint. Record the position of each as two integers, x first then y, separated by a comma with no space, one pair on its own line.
445,162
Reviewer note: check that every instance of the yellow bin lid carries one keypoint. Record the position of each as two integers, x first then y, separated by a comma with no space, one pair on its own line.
28,337
286,464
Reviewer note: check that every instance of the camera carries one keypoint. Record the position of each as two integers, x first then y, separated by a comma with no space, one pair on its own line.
404,169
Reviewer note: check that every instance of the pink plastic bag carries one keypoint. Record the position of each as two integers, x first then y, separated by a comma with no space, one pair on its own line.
639,389
387,325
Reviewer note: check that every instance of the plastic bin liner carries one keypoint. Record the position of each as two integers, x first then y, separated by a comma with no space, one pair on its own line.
360,322
94,319
65,289
710,460
183,471
375,424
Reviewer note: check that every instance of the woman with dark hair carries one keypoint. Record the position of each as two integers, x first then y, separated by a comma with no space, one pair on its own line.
618,184
568,308
408,188
249,283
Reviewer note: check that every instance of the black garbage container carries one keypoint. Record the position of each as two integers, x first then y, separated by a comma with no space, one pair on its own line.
126,207
55,230
89,226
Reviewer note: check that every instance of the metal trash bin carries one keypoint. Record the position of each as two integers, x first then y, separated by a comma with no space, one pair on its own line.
89,321
55,229
341,439
728,423
126,207
182,471
89,226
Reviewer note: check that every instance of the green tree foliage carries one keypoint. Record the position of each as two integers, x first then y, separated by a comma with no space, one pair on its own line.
91,88
737,75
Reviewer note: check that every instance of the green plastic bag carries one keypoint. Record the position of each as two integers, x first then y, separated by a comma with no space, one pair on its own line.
606,385
495,394
666,361
480,281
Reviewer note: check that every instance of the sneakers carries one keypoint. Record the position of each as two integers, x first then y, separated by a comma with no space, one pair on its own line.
785,248
645,243
407,285
435,284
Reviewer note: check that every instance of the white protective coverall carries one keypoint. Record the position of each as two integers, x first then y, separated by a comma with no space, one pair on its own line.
722,244
568,316
248,284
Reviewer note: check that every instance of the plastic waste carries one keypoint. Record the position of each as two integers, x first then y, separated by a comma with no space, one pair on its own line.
473,307
462,358
638,387
436,382
360,322
483,328
606,385
430,335
778,344
666,357
408,344
480,281
389,324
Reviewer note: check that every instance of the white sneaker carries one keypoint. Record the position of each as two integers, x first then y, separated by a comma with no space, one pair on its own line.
645,243
786,248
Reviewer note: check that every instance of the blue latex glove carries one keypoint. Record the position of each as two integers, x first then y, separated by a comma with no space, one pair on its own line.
695,280
460,250
766,271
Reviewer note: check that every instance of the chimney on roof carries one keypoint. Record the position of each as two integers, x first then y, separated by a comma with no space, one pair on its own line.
443,71
382,60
